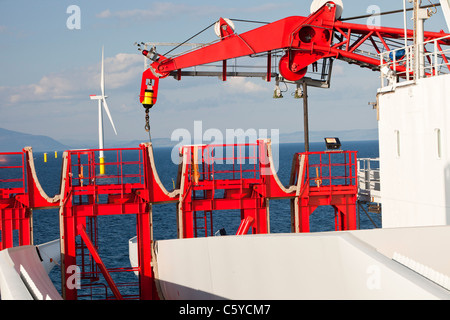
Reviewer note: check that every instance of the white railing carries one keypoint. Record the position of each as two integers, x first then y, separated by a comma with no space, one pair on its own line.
369,180
398,66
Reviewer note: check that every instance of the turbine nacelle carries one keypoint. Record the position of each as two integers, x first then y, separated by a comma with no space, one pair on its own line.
95,97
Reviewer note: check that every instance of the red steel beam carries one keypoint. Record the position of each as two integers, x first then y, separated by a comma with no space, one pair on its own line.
98,260
245,226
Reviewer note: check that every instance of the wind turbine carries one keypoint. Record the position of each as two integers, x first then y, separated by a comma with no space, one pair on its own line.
102,100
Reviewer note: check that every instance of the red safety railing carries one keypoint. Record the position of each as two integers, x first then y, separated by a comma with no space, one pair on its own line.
124,170
330,179
222,177
211,178
224,162
96,188
331,169
20,193
12,174
14,213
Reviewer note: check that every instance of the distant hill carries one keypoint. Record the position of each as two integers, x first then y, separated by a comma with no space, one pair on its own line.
344,135
13,141
157,143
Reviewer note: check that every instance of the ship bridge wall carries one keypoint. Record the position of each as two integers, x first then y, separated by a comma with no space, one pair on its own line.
414,133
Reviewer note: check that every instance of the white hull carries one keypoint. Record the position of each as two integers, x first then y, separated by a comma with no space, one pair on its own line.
335,265
24,272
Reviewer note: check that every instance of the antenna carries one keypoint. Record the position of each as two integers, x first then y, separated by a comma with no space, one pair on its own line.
102,101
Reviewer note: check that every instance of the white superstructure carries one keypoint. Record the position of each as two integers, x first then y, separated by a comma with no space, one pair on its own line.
415,154
414,138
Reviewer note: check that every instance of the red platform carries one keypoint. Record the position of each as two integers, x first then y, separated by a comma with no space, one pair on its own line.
327,179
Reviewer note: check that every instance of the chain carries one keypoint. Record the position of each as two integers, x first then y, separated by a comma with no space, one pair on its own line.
147,123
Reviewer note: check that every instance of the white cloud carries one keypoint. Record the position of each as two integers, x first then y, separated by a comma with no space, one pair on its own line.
265,7
159,9
104,14
243,85
167,9
120,71
339,69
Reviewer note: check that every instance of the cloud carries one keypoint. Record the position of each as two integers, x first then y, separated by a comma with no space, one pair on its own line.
123,70
104,14
243,85
166,9
339,69
120,71
159,9
265,7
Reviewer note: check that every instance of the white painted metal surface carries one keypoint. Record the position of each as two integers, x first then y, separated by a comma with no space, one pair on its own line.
50,254
11,285
369,187
445,5
414,153
432,65
338,265
317,4
133,254
23,277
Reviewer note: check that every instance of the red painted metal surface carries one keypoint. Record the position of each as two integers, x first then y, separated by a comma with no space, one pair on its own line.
19,194
127,187
243,179
93,251
14,214
211,179
306,40
218,178
328,179
245,226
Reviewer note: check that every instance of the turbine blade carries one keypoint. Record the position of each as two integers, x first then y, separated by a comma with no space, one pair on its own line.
105,105
102,80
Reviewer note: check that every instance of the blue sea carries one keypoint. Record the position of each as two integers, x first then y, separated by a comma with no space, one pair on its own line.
115,231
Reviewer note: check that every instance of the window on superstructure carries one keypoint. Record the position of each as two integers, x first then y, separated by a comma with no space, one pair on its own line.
397,143
438,143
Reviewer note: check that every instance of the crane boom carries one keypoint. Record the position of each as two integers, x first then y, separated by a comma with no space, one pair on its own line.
305,40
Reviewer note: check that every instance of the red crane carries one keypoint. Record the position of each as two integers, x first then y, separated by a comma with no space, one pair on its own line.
304,40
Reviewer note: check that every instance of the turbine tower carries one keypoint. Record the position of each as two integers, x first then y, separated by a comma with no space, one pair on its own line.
102,100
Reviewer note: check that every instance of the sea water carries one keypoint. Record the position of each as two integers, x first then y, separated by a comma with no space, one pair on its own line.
115,231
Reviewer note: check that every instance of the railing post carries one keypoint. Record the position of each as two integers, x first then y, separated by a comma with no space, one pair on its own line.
435,58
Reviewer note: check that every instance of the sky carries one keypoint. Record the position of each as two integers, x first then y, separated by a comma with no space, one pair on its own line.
50,64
